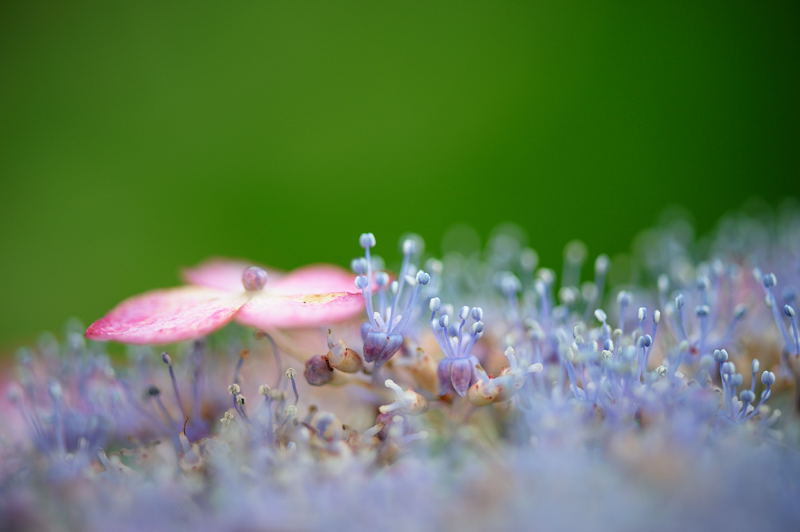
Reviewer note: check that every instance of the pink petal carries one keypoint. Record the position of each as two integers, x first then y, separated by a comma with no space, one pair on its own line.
165,316
223,274
315,279
268,310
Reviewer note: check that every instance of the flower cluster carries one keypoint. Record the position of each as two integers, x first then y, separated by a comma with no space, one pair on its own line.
423,415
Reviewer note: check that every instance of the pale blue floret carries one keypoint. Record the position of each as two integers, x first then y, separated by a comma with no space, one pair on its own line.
383,332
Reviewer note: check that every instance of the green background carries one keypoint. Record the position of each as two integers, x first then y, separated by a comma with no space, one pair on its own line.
137,137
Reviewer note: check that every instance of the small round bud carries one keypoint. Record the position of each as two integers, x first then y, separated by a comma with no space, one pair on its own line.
789,311
663,283
409,246
359,266
728,368
477,313
477,327
435,304
575,251
642,313
240,400
600,315
290,373
464,313
767,378
366,240
720,355
264,389
747,396
601,264
254,278
444,320
624,298
656,316
317,371
166,359
702,311
769,280
362,282
755,365
509,284
423,278
234,389
645,341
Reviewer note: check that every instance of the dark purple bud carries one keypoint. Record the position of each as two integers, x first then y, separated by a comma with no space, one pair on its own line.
317,371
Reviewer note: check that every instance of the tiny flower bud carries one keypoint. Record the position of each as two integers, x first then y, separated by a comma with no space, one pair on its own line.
317,371
366,240
747,396
359,266
601,264
254,278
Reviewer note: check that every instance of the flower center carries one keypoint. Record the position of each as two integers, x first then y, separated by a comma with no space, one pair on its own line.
254,278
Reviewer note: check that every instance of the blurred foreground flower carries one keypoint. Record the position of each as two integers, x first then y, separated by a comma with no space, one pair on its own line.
221,291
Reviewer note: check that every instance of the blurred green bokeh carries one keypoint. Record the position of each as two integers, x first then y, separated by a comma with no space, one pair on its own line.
137,137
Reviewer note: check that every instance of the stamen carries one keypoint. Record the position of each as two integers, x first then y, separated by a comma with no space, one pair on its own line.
290,374
166,359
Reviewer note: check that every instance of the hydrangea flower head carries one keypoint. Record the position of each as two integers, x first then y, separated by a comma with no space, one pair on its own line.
221,291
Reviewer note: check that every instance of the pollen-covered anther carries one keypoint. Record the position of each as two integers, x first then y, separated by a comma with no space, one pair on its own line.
406,401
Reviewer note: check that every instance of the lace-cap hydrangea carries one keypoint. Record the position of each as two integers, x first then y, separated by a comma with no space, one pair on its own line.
221,291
